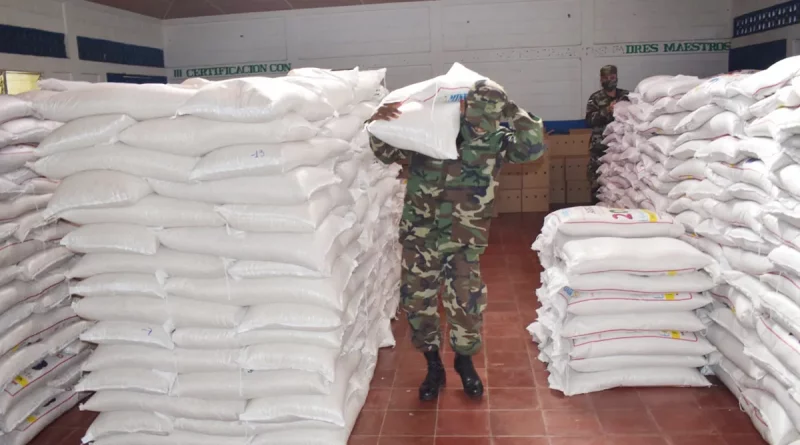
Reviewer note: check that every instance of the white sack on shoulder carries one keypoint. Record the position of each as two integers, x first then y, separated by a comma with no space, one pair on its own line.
85,132
192,136
117,157
265,159
153,211
422,129
95,189
295,187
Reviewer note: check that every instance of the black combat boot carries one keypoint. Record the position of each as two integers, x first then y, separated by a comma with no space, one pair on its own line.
473,386
434,381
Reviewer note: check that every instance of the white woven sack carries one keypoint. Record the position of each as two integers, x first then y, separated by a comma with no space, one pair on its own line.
747,262
722,124
640,343
153,211
328,408
44,262
139,380
782,310
786,258
738,105
574,383
786,97
119,284
112,238
295,187
85,132
159,359
95,189
42,417
772,125
769,417
14,108
337,95
600,222
772,386
662,125
641,256
141,102
60,85
266,159
705,92
274,356
733,349
690,149
673,86
317,251
174,311
255,100
556,279
305,217
751,171
698,118
601,364
110,401
784,283
42,374
783,344
128,333
26,131
765,83
584,325
198,338
15,157
610,303
174,438
690,169
117,157
19,291
192,136
289,316
19,206
249,384
327,292
123,423
165,261
35,328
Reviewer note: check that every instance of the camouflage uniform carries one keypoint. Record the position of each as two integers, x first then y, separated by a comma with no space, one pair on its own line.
598,116
446,217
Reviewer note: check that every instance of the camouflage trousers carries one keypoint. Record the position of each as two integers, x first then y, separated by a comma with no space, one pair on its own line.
425,272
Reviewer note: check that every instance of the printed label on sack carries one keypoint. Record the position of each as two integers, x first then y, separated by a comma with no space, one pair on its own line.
669,297
570,292
35,372
675,334
31,419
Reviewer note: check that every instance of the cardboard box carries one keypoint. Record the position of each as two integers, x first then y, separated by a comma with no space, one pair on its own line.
568,145
536,200
536,174
509,201
558,194
575,169
557,171
579,192
510,181
581,131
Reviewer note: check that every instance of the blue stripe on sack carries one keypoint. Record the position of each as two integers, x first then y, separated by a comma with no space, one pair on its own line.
32,42
107,51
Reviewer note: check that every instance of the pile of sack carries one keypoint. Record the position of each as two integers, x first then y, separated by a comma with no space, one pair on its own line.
240,256
620,294
728,170
40,354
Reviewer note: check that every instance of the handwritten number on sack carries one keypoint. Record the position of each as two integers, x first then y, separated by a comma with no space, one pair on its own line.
258,154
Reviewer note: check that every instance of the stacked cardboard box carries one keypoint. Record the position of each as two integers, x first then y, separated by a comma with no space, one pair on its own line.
569,160
524,187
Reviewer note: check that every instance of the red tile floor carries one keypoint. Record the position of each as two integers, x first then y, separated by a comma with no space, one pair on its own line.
518,408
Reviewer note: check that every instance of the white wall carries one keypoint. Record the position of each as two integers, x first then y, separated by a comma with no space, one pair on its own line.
78,18
546,52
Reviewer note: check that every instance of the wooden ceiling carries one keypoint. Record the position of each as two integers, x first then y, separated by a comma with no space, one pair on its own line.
176,9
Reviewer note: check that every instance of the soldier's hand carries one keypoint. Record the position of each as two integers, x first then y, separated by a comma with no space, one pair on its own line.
386,112
611,106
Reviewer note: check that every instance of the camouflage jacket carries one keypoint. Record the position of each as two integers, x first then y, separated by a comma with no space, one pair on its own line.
599,115
449,203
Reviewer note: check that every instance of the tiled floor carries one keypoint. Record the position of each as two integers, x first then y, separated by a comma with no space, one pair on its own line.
518,408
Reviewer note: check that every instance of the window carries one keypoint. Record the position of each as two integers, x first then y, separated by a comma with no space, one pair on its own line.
16,82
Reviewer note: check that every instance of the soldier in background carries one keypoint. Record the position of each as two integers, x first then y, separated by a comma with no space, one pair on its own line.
445,226
600,113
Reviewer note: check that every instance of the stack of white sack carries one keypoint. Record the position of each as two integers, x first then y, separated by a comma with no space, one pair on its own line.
40,354
619,298
240,260
740,206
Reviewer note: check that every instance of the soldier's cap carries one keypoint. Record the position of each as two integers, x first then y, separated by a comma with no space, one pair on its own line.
485,102
608,70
